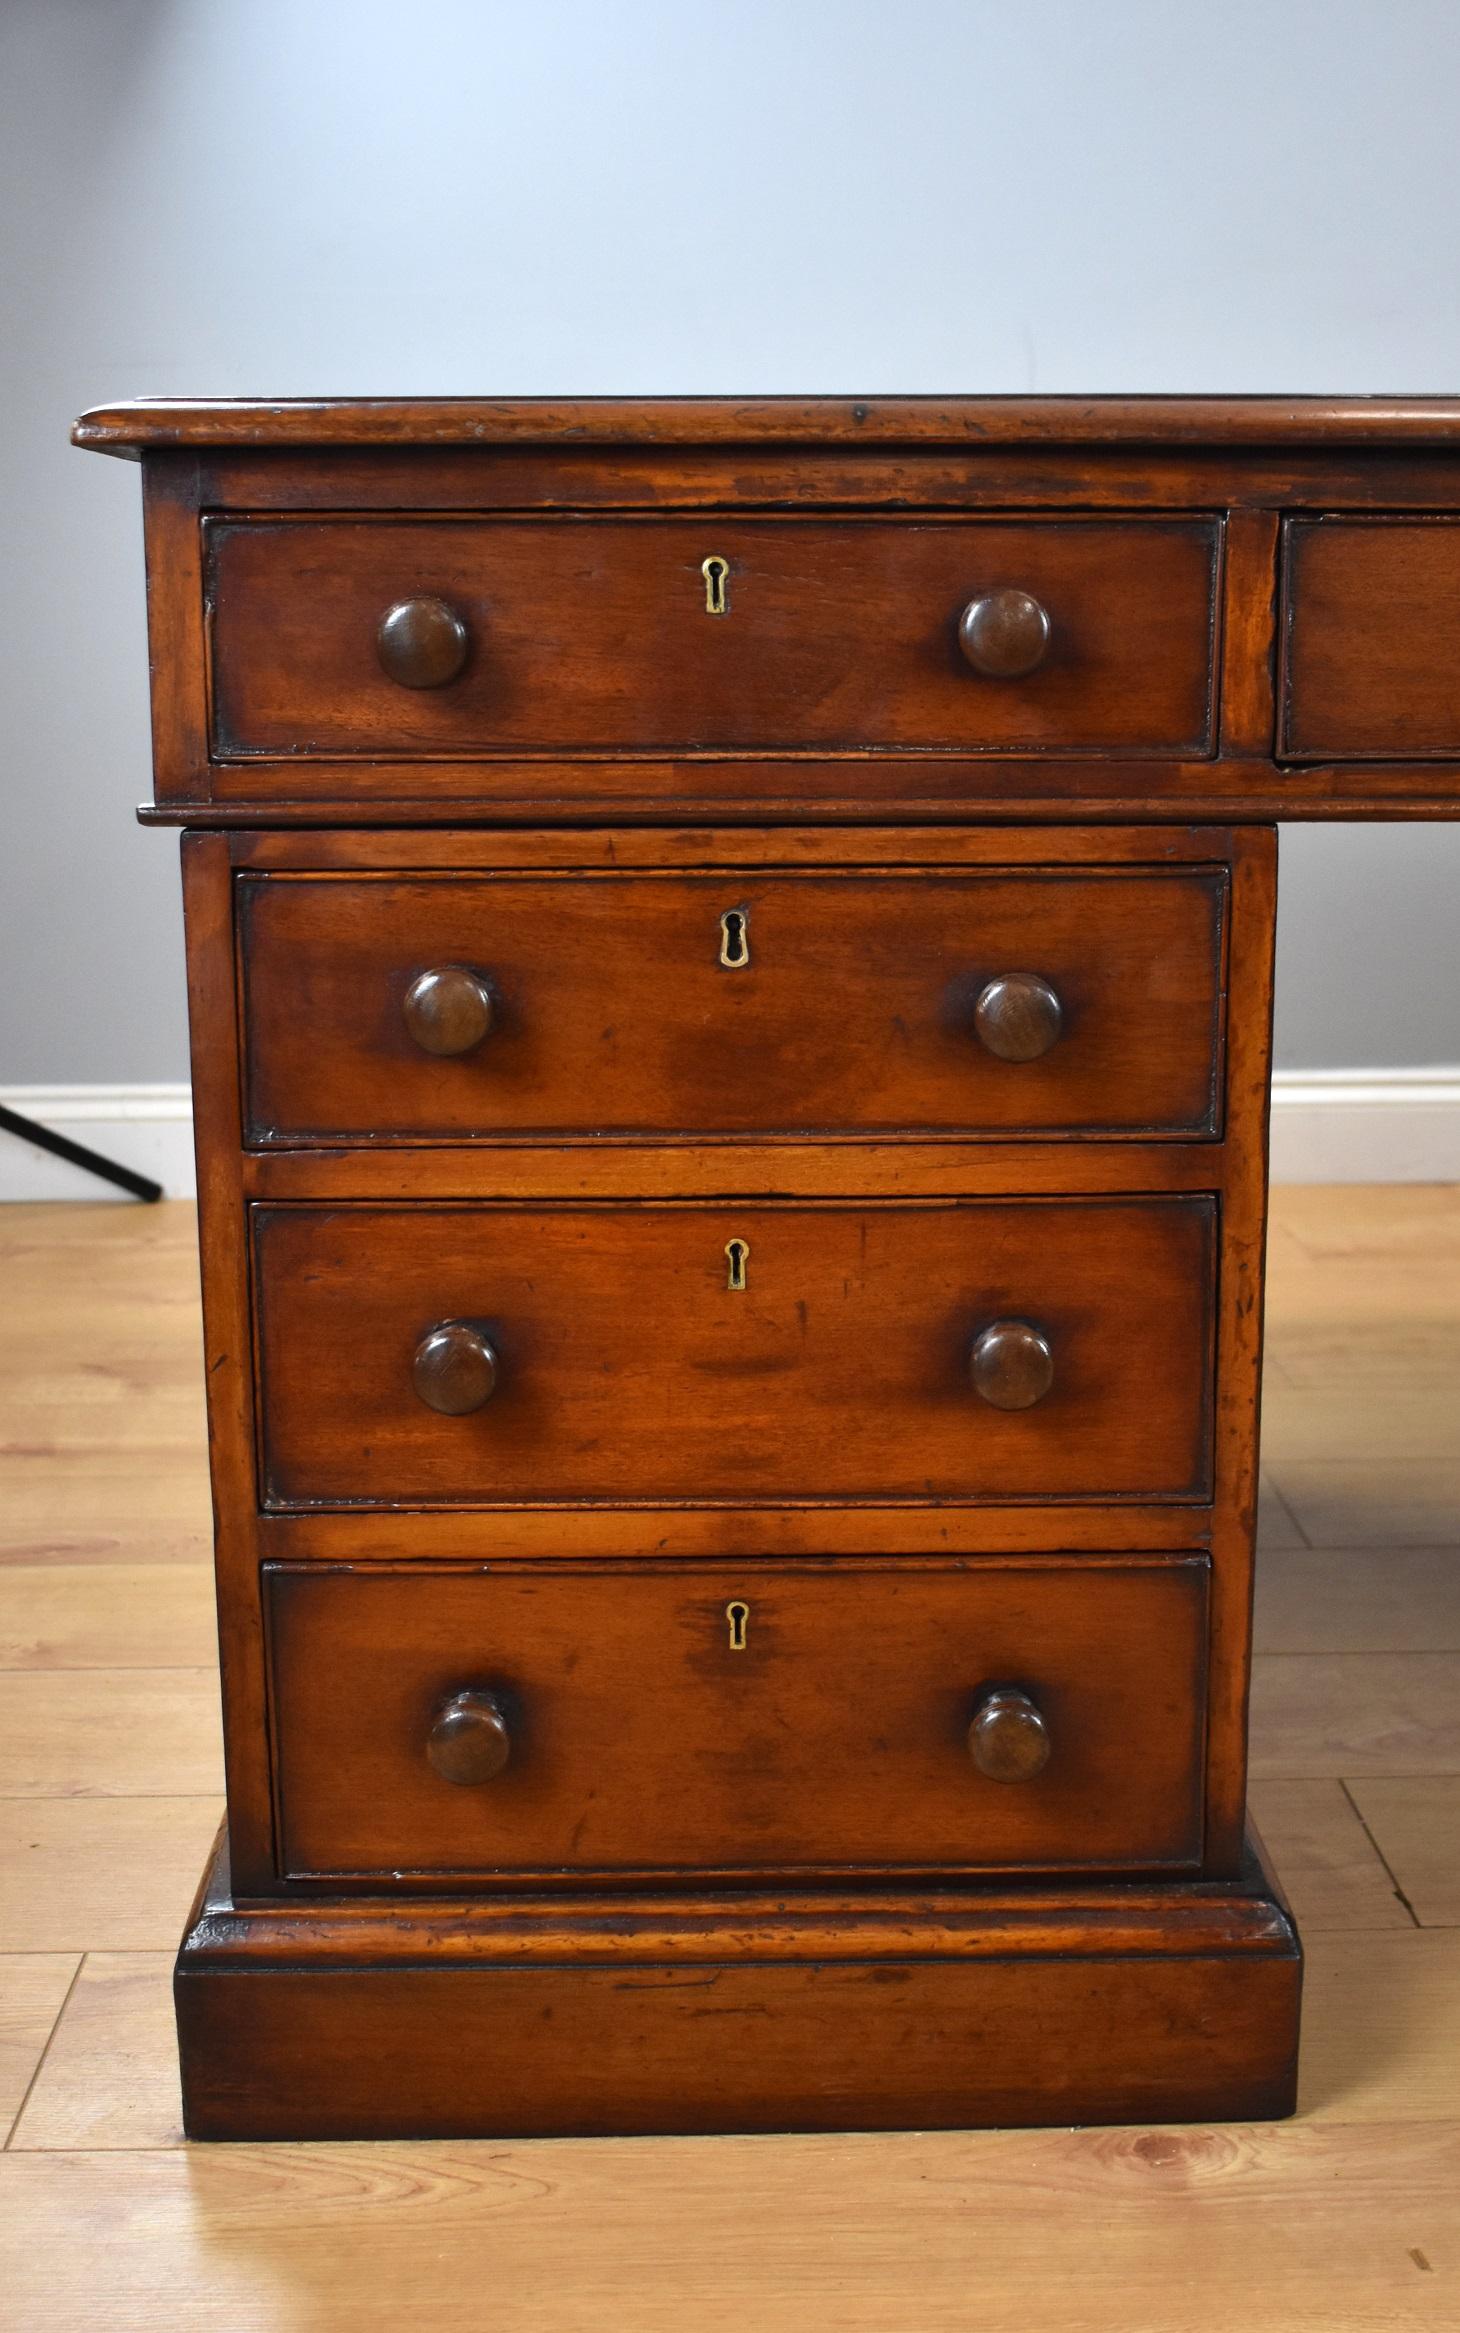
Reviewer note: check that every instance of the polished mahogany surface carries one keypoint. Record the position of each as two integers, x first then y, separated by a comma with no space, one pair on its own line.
611,636
745,1002
741,1719
731,969
634,1357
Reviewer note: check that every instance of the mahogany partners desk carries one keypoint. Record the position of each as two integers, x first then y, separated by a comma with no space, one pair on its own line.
730,950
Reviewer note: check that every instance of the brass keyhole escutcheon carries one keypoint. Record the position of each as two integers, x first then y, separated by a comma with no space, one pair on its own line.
716,572
737,1253
737,1616
735,939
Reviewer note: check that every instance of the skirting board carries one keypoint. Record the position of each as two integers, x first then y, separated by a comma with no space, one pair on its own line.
1365,1126
149,1127
1328,1126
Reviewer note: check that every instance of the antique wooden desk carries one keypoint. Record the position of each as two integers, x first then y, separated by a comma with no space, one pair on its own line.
730,951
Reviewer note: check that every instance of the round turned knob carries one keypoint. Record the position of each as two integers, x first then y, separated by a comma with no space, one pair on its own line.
1003,634
469,1741
1018,1016
455,1369
1008,1740
422,643
1011,1365
448,1010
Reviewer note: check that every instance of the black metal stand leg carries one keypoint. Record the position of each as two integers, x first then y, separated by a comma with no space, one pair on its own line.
141,1186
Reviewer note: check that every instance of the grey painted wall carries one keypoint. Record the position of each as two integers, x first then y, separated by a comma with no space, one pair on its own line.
230,197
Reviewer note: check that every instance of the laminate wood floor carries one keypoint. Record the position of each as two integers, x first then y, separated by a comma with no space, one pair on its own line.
1346,2220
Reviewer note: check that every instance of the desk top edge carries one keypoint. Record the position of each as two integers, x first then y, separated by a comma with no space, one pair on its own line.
155,424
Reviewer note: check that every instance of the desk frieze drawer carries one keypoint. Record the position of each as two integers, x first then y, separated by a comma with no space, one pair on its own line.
716,1351
435,637
438,1008
736,1720
1370,670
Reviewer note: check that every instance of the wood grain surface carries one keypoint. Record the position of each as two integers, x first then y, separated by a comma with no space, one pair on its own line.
857,1008
594,636
629,1368
1369,670
854,1693
734,714
1007,420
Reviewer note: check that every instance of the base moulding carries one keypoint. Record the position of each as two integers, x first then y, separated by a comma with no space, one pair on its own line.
578,2015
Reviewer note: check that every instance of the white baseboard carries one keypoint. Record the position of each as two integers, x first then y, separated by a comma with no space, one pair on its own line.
1366,1126
148,1127
1328,1126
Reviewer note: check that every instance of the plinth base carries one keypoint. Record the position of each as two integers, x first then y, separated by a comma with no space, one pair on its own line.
350,2018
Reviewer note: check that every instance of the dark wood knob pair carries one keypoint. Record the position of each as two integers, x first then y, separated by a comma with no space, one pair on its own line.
448,1011
455,1368
1004,634
469,1741
424,643
1008,1739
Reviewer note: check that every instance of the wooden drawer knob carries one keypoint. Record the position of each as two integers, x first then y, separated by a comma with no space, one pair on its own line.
422,643
1008,1740
1017,1016
469,1741
1011,1365
1003,634
455,1369
449,1010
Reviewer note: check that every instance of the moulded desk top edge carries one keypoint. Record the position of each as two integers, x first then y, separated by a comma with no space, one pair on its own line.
153,423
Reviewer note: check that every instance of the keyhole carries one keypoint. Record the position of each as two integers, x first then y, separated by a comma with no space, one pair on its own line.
735,938
716,572
738,1251
738,1615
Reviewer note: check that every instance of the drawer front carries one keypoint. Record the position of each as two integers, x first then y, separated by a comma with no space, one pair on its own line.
731,1003
607,1352
1372,661
737,1719
545,636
